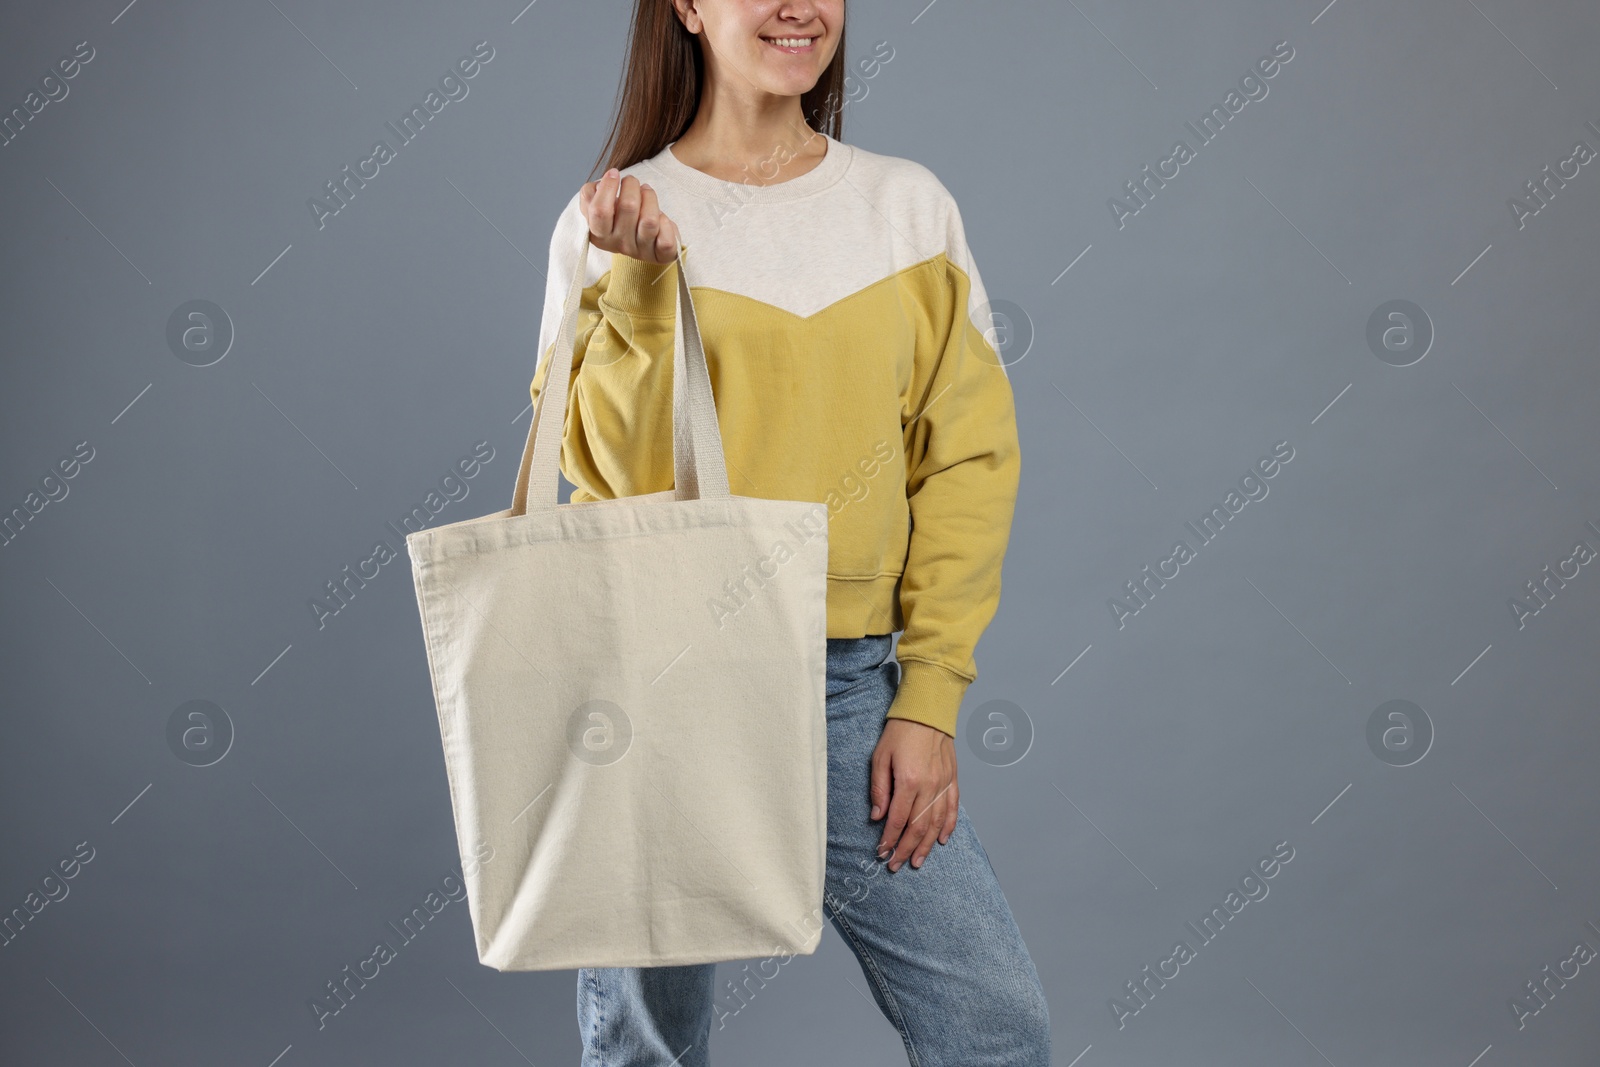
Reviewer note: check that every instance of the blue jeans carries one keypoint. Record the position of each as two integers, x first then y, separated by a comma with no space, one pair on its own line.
938,945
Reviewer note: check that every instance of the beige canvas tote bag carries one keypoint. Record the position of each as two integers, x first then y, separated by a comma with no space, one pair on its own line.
632,701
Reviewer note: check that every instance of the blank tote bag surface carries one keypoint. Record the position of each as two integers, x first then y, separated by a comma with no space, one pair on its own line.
632,701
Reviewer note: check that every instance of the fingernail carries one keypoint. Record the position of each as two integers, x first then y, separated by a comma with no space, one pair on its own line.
874,811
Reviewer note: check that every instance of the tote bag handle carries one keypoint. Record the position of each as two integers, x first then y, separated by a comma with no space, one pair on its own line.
698,465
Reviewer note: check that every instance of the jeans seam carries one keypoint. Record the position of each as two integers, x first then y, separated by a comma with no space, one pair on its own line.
597,1040
875,976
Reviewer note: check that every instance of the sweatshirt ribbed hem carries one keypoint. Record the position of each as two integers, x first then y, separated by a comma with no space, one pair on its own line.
643,290
929,693
861,606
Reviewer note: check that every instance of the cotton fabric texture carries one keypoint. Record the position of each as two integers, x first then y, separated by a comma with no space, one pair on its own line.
647,771
849,341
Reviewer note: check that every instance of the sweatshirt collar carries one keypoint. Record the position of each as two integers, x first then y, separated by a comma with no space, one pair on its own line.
818,178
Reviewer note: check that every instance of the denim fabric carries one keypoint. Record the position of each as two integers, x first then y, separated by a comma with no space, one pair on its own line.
938,946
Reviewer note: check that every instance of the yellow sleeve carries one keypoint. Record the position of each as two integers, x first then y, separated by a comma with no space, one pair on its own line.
963,464
612,445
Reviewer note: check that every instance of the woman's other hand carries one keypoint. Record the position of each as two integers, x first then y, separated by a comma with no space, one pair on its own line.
914,789
624,217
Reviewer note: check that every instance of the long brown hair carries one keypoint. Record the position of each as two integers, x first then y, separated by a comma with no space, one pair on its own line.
662,79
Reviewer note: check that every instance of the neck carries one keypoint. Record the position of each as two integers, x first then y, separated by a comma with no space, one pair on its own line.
741,142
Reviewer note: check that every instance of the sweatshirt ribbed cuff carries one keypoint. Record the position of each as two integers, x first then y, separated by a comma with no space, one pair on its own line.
929,694
643,290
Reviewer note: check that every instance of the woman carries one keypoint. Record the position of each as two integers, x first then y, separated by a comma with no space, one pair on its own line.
842,319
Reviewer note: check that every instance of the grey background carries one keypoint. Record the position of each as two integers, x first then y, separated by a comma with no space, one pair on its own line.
1228,715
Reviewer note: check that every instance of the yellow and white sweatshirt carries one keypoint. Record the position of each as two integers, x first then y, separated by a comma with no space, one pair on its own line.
845,330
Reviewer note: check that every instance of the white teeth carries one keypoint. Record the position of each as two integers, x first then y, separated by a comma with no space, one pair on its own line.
790,42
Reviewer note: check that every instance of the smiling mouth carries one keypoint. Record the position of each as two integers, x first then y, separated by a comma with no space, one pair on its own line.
792,45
